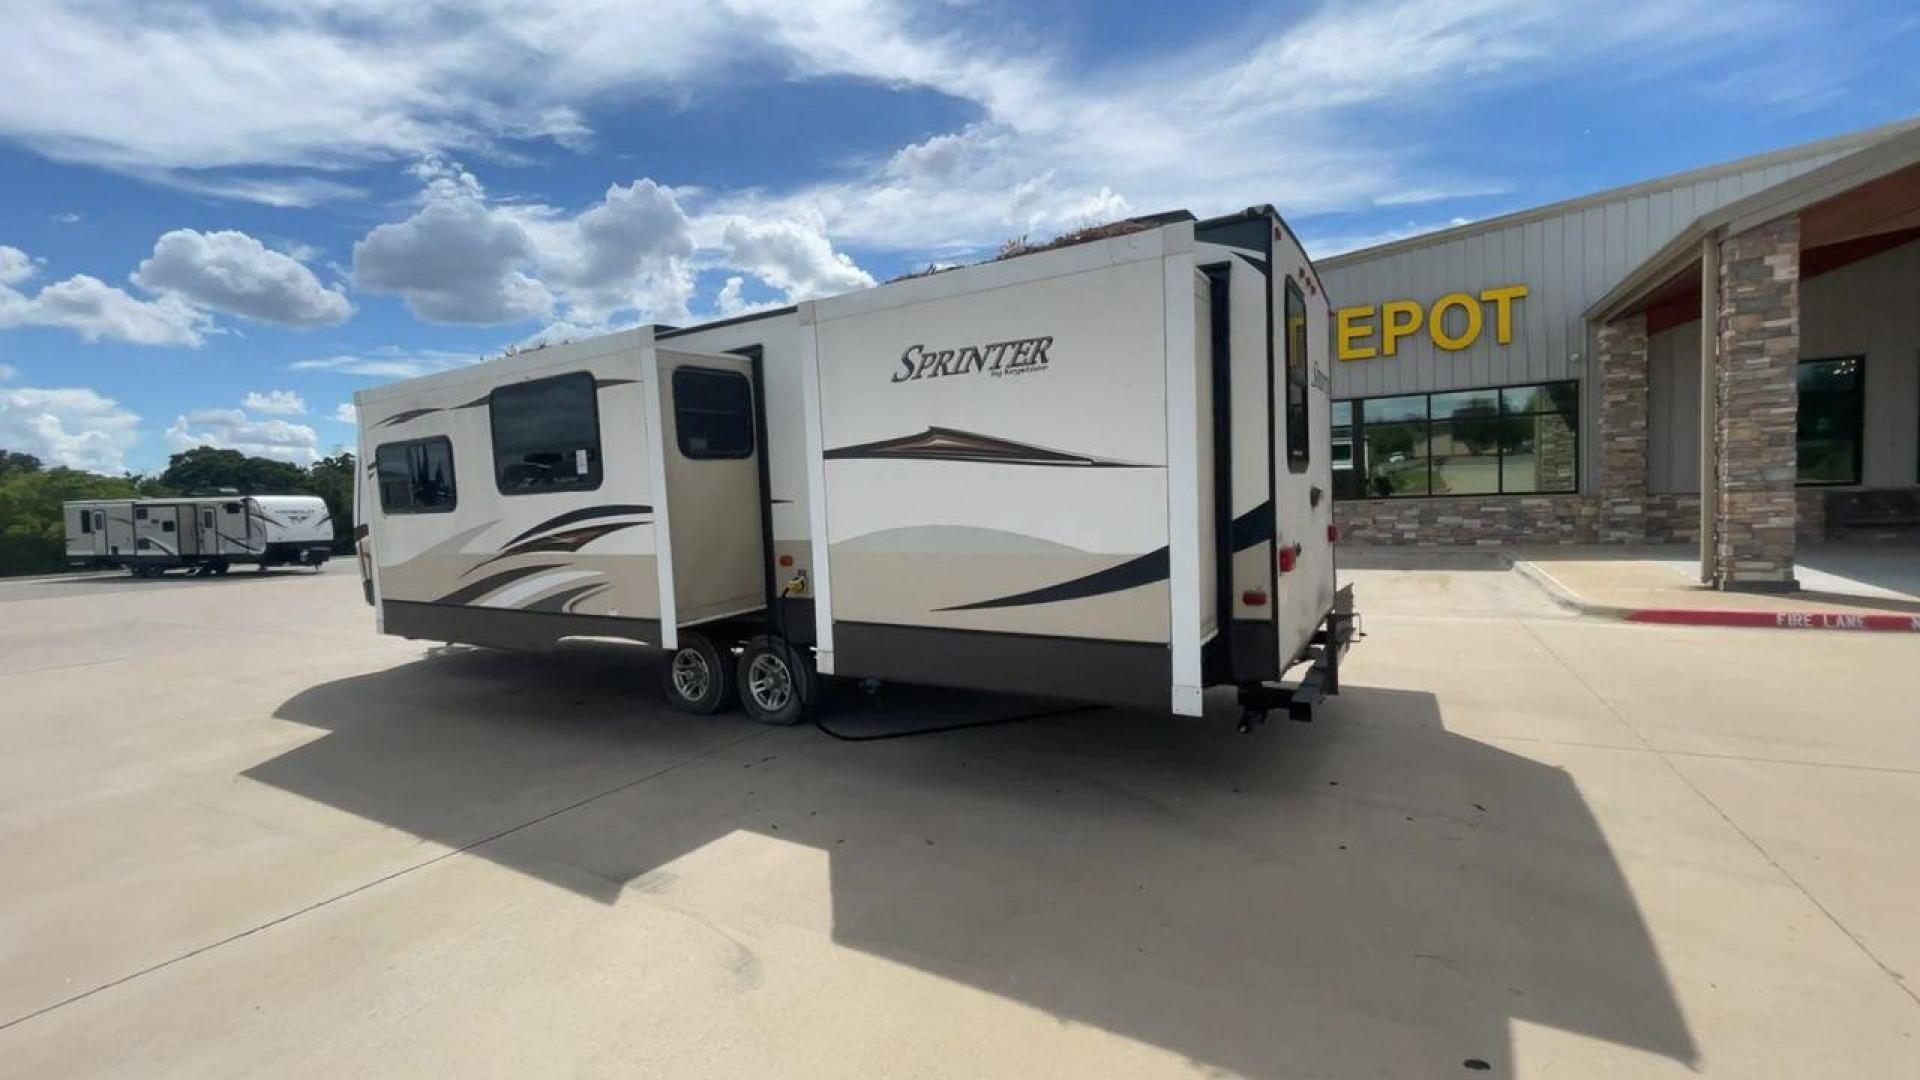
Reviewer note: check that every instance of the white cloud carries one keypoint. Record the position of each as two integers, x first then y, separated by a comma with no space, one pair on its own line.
15,266
95,310
456,260
275,402
233,429
73,426
465,257
1326,246
388,362
68,217
191,94
346,413
232,272
729,302
8,373
792,255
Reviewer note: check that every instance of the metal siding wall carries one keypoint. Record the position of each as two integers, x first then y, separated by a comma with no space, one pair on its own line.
1566,260
1673,410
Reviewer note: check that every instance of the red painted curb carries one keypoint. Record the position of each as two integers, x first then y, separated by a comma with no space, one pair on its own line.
1782,620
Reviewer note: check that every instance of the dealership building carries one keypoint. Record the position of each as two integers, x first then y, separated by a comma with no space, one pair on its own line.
1543,377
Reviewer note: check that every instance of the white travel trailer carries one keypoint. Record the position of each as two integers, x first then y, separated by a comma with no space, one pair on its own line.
208,534
1098,472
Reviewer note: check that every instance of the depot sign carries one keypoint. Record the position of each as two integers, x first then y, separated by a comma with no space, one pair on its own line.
1358,331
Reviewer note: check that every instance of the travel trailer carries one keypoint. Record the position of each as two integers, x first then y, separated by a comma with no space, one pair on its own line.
1098,472
206,534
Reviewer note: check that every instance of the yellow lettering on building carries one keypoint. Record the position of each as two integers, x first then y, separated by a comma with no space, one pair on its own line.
1502,300
1350,327
1403,318
1438,327
1398,318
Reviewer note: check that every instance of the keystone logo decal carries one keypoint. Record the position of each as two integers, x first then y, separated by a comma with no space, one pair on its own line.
1016,357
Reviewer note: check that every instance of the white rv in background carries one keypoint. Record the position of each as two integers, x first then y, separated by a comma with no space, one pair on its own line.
207,534
1100,472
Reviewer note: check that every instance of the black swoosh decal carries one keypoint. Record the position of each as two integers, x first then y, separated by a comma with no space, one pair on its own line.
558,601
1253,527
1250,528
1135,572
951,444
586,514
487,584
570,541
407,414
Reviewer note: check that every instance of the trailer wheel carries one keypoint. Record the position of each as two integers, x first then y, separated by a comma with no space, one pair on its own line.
698,676
777,683
220,568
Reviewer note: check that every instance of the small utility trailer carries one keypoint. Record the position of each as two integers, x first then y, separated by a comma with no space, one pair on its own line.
1100,472
205,534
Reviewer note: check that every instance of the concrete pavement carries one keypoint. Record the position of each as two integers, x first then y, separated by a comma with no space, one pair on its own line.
241,834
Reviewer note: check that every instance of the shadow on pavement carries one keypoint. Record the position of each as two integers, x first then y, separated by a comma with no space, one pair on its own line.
1366,895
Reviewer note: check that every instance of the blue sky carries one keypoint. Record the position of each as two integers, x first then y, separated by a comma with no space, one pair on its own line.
221,219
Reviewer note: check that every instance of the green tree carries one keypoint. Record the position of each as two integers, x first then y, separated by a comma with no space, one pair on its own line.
14,461
331,478
33,535
205,470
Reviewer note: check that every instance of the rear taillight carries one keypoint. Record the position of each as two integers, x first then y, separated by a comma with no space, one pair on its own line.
1288,556
1254,598
1333,534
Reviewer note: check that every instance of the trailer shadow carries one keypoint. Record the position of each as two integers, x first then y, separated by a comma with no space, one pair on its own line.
1366,895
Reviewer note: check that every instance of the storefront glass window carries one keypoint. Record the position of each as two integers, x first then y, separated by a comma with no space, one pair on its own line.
1512,440
1832,406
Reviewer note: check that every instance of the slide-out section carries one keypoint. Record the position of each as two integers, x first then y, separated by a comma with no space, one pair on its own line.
994,448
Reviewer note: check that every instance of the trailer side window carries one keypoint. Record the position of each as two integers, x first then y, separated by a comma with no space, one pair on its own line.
99,520
546,435
86,522
712,413
1299,376
166,526
140,513
416,477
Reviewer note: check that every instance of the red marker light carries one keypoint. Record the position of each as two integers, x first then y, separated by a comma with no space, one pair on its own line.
1254,598
786,560
1333,534
1287,555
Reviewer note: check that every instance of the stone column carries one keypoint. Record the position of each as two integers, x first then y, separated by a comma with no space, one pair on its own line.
1622,473
1756,360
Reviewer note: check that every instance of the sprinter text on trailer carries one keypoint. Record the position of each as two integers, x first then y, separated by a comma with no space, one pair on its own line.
1099,472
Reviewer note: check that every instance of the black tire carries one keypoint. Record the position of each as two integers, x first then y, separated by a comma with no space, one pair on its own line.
777,682
220,568
698,677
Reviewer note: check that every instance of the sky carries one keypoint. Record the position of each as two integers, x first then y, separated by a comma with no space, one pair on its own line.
222,219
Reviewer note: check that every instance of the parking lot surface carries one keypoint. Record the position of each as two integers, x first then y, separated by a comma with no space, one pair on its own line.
240,834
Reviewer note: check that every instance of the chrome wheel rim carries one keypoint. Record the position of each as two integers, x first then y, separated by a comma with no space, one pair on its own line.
769,681
691,675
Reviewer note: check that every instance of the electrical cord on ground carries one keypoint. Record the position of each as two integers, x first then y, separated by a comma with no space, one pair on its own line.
1044,714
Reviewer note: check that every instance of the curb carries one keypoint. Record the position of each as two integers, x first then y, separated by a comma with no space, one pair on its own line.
1767,620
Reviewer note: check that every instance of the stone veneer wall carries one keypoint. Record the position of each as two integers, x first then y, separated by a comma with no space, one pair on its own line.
1620,478
1673,519
1756,356
1466,520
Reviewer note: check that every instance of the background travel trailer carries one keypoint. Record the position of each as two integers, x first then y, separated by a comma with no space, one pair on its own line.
209,533
1099,472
